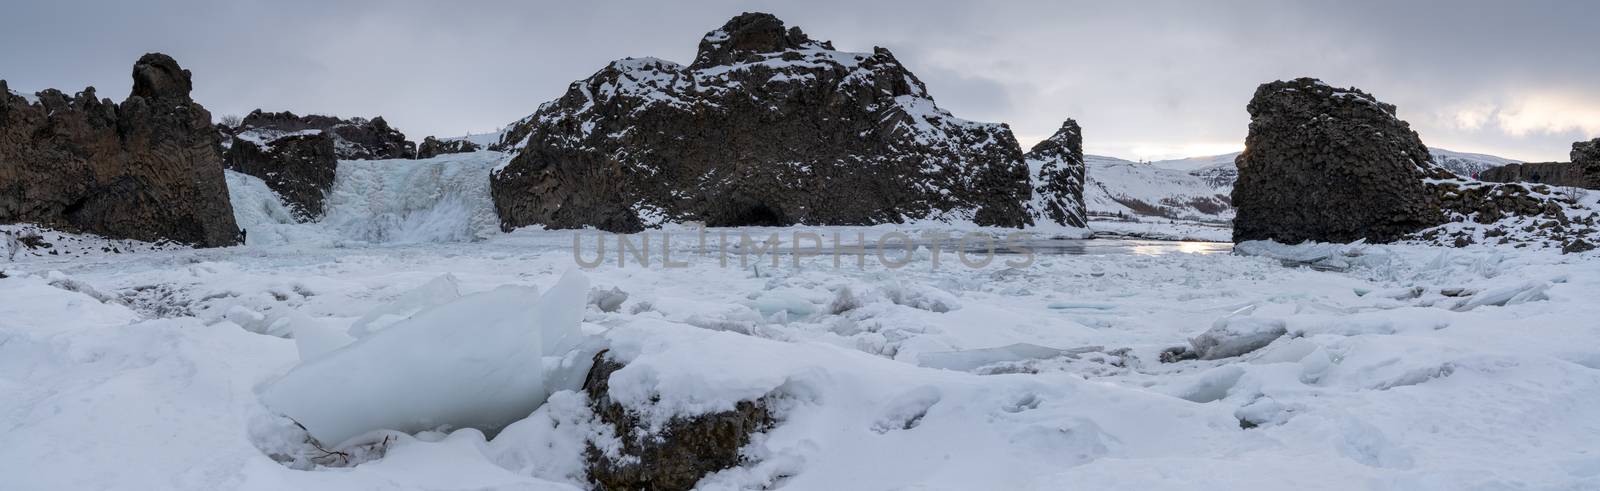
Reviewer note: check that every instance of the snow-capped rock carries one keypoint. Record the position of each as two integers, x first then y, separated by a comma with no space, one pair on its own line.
1056,166
766,127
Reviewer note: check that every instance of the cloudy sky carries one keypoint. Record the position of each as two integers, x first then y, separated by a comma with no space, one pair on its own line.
1147,80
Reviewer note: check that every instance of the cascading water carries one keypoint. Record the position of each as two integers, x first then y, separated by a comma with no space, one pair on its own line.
442,199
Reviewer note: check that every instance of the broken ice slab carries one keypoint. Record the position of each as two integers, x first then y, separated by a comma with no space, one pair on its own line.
478,362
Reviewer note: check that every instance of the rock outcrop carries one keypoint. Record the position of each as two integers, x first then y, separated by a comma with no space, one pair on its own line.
354,138
1561,174
299,167
432,147
148,169
680,454
1330,164
1058,170
765,127
298,156
1586,155
1335,165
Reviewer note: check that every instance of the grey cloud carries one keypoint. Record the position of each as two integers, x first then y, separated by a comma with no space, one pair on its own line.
1151,75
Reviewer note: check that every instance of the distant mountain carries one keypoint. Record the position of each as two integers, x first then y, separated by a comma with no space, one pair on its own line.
1116,187
1466,164
1199,187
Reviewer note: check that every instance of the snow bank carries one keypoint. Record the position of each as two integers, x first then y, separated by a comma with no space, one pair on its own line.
476,362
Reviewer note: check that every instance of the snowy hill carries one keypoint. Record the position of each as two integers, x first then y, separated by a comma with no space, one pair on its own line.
1219,170
1122,188
1466,164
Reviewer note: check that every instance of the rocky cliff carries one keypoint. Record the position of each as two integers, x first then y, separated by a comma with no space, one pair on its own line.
1057,168
354,138
1330,164
1586,155
1553,173
765,127
298,156
149,168
432,147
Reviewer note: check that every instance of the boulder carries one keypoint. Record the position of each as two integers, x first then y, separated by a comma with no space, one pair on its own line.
1330,164
148,169
1058,170
765,127
678,455
432,147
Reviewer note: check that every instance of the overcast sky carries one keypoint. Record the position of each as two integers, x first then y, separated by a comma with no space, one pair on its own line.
1147,80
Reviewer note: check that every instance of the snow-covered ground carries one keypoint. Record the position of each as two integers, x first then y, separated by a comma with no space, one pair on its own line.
1403,367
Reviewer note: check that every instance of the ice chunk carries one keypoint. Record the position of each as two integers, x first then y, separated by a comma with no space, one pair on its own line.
435,292
969,360
476,362
1528,291
1234,336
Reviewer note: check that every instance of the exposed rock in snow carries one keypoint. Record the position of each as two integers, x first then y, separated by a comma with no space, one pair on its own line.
148,169
674,456
1236,335
766,127
476,362
1330,164
433,147
1056,166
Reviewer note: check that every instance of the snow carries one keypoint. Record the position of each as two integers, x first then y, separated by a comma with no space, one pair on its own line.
1401,366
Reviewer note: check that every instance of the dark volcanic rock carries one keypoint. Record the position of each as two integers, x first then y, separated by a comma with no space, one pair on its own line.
298,156
1586,155
147,169
354,138
1058,182
678,456
1330,164
300,168
766,127
1552,173
432,147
